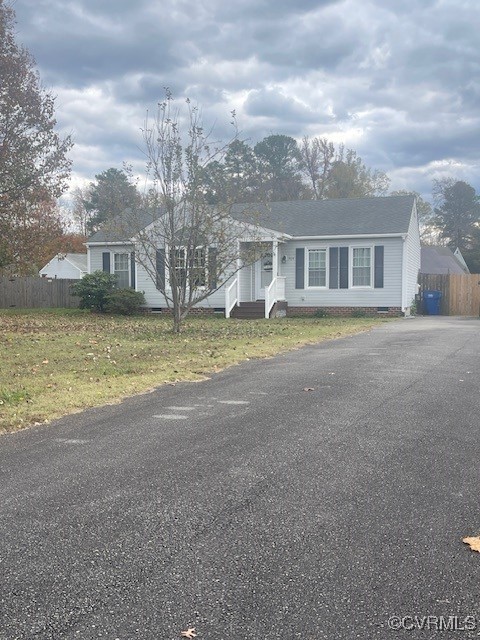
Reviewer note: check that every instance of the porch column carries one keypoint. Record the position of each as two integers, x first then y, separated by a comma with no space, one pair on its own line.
274,258
239,269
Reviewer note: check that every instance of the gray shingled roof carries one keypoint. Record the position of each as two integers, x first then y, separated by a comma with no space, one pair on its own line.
122,228
78,260
440,260
343,217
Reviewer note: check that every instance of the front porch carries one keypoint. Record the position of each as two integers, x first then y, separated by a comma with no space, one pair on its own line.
258,288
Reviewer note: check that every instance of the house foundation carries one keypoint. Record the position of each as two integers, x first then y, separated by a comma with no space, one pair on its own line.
345,312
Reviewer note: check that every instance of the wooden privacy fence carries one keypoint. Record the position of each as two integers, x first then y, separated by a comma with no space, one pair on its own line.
33,293
460,292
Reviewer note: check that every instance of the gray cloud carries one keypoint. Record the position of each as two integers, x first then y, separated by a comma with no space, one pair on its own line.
397,81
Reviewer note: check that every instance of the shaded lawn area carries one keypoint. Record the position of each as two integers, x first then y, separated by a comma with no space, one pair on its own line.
56,362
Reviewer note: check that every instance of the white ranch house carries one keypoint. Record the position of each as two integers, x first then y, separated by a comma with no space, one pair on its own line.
72,266
336,255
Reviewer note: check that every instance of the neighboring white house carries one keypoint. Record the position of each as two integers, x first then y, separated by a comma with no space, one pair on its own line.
66,266
458,255
336,255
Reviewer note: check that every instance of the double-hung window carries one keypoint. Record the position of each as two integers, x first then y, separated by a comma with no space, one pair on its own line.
361,267
317,268
180,266
194,270
199,277
121,270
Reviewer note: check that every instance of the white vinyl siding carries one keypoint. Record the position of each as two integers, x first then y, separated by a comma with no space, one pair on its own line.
155,298
390,295
361,258
96,255
412,256
61,268
316,268
247,284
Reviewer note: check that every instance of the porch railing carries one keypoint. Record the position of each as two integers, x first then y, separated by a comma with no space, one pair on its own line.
231,297
273,293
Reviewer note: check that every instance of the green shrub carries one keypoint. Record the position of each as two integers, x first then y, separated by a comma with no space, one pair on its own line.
320,313
358,313
125,302
94,290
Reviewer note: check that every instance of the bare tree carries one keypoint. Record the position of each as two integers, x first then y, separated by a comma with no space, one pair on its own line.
429,233
317,156
349,177
192,247
79,212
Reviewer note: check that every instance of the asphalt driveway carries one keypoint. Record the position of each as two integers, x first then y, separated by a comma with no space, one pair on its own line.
322,494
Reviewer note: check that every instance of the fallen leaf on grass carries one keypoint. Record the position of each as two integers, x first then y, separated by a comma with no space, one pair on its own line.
474,543
309,389
189,633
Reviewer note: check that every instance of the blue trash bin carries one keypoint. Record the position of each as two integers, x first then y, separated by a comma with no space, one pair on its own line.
432,302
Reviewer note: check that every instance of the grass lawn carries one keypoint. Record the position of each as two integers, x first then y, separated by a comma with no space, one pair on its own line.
56,362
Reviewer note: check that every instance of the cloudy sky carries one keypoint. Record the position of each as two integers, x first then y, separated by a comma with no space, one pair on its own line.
396,80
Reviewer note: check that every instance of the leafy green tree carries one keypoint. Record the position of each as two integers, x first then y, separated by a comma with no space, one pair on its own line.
109,196
457,213
214,182
472,256
235,177
279,162
241,168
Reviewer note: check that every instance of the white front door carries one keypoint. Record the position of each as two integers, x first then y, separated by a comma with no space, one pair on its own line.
263,275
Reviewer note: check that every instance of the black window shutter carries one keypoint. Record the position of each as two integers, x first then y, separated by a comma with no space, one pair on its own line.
300,269
212,268
132,269
160,268
333,268
379,267
106,261
343,267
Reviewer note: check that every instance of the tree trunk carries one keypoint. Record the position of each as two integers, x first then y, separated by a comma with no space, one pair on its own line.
177,319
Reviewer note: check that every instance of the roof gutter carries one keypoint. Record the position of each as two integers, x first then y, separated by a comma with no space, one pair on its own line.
103,244
352,235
